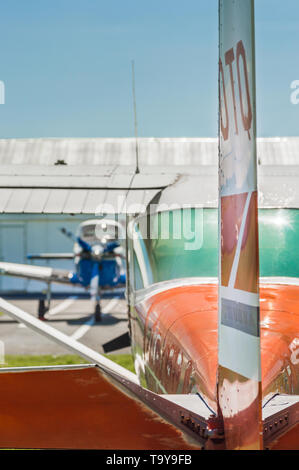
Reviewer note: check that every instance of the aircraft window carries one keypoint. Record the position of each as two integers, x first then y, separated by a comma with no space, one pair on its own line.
107,234
99,231
175,244
137,274
168,256
88,231
278,241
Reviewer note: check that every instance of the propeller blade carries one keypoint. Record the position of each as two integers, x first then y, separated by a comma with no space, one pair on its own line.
68,233
84,245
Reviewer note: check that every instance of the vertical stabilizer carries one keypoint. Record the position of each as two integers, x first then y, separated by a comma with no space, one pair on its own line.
239,373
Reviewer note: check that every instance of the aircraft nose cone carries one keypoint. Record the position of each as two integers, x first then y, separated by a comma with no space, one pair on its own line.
97,249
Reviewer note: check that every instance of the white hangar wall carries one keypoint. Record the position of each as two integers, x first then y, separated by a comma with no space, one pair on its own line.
22,234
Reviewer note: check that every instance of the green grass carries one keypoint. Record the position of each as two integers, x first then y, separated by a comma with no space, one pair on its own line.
124,360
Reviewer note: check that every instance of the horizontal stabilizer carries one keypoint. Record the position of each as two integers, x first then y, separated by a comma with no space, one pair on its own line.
79,407
51,256
281,423
122,341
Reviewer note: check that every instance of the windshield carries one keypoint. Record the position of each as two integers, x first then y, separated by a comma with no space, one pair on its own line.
184,243
99,231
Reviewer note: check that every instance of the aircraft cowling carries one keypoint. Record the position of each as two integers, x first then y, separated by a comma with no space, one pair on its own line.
180,340
180,345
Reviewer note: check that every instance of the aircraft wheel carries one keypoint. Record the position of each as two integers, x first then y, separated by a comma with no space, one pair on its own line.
42,309
98,313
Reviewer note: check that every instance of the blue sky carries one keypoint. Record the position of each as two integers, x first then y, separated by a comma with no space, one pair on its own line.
66,65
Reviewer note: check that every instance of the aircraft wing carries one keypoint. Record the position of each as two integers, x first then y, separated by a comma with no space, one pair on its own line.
38,273
95,406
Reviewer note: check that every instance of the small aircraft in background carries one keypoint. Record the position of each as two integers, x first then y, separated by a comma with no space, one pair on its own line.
99,262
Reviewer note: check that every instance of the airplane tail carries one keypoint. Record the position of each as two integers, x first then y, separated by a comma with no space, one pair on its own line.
239,370
104,404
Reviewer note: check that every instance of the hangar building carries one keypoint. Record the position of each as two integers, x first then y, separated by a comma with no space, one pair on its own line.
31,219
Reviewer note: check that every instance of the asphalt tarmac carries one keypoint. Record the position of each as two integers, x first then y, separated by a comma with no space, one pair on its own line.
73,317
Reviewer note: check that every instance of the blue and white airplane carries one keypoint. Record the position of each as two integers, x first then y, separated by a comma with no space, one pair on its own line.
99,262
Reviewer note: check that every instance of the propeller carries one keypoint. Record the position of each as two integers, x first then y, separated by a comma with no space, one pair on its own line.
84,245
102,250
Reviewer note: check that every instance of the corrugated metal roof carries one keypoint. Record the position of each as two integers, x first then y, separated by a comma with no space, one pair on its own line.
278,187
101,173
152,151
72,201
119,177
278,151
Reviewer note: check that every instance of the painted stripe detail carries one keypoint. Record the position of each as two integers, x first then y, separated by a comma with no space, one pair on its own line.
156,380
239,352
237,295
62,306
240,316
82,330
234,270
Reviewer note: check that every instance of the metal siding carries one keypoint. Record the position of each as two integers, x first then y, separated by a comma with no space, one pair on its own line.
121,151
17,201
41,234
104,171
44,180
75,201
56,201
277,188
94,199
12,248
163,162
37,201
149,194
43,177
148,180
113,202
120,181
5,194
135,202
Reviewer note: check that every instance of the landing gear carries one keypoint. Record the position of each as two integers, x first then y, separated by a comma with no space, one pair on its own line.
42,309
98,312
96,297
44,305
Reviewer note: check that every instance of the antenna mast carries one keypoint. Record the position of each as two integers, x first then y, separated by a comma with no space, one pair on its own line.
135,117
